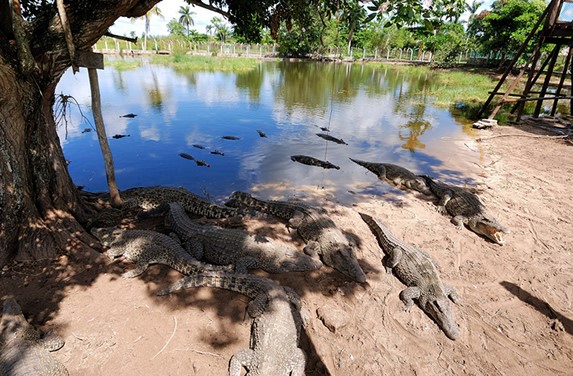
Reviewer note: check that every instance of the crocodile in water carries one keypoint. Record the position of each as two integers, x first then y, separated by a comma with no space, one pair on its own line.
311,161
328,137
157,197
319,232
396,175
466,208
276,326
23,351
233,246
149,247
416,269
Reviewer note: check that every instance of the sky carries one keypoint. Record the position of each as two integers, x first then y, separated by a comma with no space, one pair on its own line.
170,10
158,26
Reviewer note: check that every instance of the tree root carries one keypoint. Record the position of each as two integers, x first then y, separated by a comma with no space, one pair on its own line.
57,233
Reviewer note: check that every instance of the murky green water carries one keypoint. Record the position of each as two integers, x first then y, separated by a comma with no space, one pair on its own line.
382,115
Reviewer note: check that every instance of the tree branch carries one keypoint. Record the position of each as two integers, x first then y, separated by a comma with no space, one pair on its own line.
201,4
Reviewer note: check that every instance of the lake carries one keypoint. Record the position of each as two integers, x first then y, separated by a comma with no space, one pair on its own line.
384,115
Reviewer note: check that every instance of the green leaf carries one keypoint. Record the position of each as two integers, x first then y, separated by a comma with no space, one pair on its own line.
370,17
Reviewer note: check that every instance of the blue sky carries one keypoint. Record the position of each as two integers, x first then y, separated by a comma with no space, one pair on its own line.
170,10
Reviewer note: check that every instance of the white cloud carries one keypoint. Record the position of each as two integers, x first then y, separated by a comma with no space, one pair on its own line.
158,26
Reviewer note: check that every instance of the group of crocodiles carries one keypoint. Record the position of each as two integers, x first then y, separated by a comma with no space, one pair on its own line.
218,257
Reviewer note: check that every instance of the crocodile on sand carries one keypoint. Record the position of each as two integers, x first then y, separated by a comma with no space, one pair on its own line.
466,208
416,269
23,351
318,231
245,251
148,198
396,175
276,326
149,247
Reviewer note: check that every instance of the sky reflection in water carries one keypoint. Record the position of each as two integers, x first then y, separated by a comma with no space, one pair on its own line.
384,116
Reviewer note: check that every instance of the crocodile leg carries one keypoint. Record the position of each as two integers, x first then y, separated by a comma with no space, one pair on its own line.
257,306
139,269
446,197
293,297
241,358
298,363
452,294
394,258
408,295
458,220
312,248
52,342
296,220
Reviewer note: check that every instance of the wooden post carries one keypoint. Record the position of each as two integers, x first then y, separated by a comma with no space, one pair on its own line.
561,81
548,75
93,62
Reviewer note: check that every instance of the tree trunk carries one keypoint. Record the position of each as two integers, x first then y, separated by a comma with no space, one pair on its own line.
41,209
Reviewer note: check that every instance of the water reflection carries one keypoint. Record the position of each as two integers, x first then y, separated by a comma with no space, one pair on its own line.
384,115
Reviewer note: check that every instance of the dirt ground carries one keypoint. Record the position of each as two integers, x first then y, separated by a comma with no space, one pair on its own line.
516,314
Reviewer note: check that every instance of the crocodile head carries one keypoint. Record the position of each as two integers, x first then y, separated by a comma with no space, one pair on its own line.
106,235
490,228
292,260
440,310
343,258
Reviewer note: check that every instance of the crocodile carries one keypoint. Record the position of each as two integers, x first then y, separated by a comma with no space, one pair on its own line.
416,269
396,175
276,326
187,156
149,247
466,208
261,133
311,161
314,226
156,198
245,251
328,137
23,351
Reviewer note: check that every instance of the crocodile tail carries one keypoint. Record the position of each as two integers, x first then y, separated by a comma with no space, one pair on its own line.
246,284
244,199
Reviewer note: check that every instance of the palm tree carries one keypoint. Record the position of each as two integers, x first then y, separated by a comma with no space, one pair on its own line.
155,11
221,30
186,18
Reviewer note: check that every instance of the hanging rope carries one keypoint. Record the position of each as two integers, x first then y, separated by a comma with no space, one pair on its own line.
333,92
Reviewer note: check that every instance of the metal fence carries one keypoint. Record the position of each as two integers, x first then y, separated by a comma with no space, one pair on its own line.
170,46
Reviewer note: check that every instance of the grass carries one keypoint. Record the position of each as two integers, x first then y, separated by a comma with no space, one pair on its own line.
122,65
463,91
202,63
